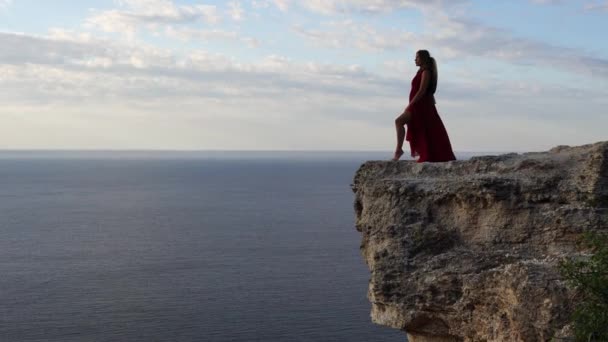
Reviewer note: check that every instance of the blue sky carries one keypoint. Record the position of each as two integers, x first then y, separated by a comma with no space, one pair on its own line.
519,75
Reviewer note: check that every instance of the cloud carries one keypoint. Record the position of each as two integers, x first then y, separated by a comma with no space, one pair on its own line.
135,92
260,3
461,38
150,13
597,6
333,7
236,11
69,59
454,37
282,5
547,2
372,6
188,34
350,34
67,67
67,48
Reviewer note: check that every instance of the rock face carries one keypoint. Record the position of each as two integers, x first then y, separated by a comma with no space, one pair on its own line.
468,250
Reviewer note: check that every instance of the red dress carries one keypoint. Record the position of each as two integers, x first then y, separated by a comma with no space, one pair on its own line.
425,132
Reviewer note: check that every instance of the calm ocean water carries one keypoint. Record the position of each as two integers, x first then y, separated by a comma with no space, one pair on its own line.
182,247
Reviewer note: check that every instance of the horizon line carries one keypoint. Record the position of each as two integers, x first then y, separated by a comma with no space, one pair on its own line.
233,151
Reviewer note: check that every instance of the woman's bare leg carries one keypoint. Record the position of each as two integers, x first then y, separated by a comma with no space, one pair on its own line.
400,122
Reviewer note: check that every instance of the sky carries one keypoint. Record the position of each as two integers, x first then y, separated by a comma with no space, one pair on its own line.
517,75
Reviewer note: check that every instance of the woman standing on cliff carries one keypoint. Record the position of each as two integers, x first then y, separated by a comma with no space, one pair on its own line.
425,131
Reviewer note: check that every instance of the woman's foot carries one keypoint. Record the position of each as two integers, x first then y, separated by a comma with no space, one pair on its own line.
397,155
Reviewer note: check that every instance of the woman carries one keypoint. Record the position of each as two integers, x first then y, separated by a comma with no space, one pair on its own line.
425,131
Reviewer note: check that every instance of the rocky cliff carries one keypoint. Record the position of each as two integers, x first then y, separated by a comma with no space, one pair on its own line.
468,250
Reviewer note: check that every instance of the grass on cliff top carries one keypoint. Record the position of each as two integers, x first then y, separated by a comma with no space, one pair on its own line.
589,276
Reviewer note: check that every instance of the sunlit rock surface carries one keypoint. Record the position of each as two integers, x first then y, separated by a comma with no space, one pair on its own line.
468,250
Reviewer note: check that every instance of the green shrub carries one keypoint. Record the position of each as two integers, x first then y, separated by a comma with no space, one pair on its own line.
589,275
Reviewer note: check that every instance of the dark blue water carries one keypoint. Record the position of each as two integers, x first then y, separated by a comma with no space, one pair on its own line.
181,249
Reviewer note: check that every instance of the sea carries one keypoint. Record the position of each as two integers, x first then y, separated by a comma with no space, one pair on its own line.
182,246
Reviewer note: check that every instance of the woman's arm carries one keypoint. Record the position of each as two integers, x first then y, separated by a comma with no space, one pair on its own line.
424,85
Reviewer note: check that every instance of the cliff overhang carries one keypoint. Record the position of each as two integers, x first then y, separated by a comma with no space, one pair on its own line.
468,250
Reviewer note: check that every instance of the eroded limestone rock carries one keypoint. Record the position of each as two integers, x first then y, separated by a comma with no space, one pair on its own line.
468,250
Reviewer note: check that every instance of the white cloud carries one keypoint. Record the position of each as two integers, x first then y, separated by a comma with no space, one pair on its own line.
79,68
455,38
283,5
360,36
129,94
597,6
188,34
150,13
547,2
236,11
67,48
463,37
372,6
61,61
331,7
260,4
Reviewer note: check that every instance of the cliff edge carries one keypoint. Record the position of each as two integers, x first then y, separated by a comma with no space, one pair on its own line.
468,250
